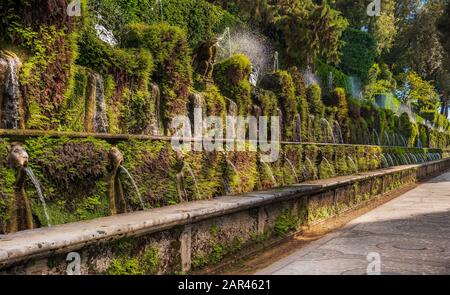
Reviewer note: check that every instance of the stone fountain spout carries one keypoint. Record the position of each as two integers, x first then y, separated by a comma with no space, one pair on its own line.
21,214
182,167
116,195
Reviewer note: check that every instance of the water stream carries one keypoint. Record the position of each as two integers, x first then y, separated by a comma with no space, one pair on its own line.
37,185
138,193
10,116
194,179
292,166
269,170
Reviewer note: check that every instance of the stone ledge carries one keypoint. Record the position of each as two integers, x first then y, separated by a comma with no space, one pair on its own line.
70,237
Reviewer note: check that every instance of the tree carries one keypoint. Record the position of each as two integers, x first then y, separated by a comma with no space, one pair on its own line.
418,92
308,30
443,25
359,53
384,28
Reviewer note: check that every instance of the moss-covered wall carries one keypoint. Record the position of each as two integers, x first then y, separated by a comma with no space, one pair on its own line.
74,173
207,242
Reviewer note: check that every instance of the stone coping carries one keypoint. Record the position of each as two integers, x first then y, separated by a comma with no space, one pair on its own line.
73,236
20,134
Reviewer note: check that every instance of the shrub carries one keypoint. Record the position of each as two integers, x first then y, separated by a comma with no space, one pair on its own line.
232,77
359,53
169,47
314,95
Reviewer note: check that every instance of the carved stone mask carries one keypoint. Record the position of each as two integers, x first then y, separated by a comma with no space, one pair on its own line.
115,157
17,157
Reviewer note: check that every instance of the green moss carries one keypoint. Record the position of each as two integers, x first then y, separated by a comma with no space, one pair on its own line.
232,77
321,213
218,251
243,177
51,52
73,110
214,230
125,266
170,50
71,173
154,168
150,261
285,223
104,59
300,92
7,180
137,112
200,19
282,84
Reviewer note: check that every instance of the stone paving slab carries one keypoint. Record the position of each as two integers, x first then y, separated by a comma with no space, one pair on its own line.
410,233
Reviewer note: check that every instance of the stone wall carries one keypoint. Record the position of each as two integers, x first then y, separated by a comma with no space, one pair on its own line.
74,171
188,237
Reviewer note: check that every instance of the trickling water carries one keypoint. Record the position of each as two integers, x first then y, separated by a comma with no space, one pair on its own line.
377,137
310,77
191,173
386,163
330,81
298,129
353,164
9,109
155,124
329,166
391,160
292,166
312,167
37,185
327,130
269,170
355,85
106,35
387,141
195,105
339,131
100,117
257,47
138,193
419,158
226,186
235,171
254,76
419,143
233,167
404,140
405,160
226,39
276,62
395,139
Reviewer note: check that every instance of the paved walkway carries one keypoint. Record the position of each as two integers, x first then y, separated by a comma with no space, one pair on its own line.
411,235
